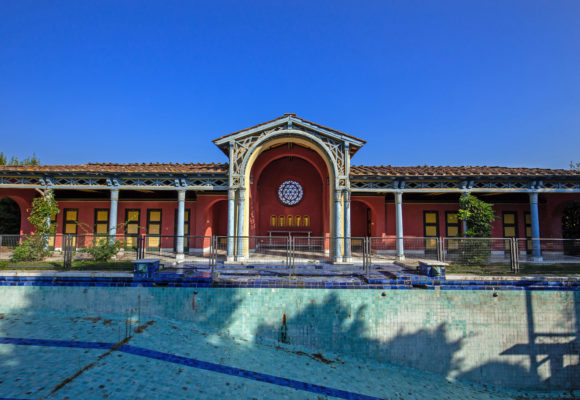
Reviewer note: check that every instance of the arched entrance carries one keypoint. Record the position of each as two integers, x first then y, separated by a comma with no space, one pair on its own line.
289,193
295,141
361,219
571,228
333,147
9,217
218,219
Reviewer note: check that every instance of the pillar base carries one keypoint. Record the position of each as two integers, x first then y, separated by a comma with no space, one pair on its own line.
400,258
231,259
179,257
537,259
347,260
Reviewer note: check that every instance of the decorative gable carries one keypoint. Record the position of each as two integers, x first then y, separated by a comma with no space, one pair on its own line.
340,145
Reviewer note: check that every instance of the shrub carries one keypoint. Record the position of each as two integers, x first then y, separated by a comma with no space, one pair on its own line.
32,249
105,251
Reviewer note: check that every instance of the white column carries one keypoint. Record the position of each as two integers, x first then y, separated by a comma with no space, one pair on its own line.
464,222
337,225
534,214
113,213
231,223
399,221
240,234
180,223
347,241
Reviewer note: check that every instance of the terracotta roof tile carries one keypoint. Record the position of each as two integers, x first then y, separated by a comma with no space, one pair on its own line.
222,168
172,168
469,170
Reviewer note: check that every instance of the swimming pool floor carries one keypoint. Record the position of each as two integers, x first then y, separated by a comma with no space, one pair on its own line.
110,357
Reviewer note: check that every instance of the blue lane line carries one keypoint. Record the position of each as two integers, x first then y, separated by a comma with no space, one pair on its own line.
56,343
191,362
10,398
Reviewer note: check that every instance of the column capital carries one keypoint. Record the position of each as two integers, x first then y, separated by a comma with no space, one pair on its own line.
181,194
114,193
337,195
231,194
533,196
398,196
346,195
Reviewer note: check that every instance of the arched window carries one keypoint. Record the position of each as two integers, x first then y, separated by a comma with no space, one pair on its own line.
9,217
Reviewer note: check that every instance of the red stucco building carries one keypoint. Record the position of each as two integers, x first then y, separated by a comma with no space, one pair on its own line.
289,176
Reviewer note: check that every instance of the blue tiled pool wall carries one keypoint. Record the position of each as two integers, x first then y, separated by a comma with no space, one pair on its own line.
404,281
520,339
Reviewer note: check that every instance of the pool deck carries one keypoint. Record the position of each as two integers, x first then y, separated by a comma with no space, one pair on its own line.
388,277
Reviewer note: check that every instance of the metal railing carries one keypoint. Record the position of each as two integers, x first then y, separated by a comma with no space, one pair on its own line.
480,254
294,253
384,250
196,249
62,251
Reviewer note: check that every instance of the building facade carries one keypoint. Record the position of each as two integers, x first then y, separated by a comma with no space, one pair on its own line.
286,177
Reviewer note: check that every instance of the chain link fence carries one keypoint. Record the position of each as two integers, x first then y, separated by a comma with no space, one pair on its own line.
296,253
66,251
479,255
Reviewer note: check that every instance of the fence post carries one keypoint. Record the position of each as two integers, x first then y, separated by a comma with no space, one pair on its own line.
212,255
517,256
364,254
287,251
140,247
292,255
439,252
514,254
67,252
367,255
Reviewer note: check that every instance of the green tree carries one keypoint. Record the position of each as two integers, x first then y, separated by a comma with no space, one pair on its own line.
478,216
574,166
30,160
14,160
36,247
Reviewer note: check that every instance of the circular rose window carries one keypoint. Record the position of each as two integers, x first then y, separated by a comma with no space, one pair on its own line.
290,193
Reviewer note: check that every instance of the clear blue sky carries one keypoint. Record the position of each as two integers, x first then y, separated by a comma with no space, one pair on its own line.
424,82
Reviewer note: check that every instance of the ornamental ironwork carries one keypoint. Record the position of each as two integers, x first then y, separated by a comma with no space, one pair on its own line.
240,147
290,193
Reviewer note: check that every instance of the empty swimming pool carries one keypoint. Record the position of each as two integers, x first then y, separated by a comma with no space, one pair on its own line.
85,341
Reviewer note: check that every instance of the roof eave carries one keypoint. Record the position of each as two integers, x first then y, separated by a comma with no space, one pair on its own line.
290,119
